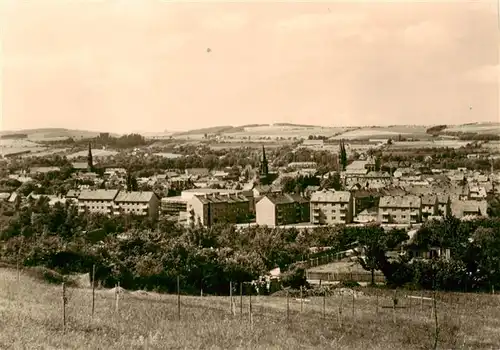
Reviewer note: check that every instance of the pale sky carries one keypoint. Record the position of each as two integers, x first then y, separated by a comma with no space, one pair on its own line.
143,65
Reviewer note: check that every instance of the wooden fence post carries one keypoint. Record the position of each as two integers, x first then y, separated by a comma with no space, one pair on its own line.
241,300
64,306
93,289
422,300
394,302
18,271
117,296
178,298
288,307
250,311
324,304
301,300
353,297
410,305
436,325
340,309
231,297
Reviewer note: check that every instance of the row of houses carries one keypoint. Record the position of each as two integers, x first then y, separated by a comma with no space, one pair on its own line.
109,202
323,207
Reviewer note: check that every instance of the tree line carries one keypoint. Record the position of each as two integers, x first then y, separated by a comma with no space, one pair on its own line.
144,254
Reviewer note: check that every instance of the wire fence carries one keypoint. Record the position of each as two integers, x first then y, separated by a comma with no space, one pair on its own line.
342,305
360,277
323,258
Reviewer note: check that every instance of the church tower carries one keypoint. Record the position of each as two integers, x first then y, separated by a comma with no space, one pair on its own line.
264,177
264,166
90,164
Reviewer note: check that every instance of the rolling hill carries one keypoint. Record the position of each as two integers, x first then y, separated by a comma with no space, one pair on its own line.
51,134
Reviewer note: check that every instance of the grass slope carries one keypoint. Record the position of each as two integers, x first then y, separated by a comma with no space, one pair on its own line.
31,317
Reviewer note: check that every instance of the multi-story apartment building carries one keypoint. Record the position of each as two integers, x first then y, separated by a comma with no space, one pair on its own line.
210,209
97,201
137,203
469,208
331,207
172,206
400,209
188,194
282,209
429,206
114,202
444,205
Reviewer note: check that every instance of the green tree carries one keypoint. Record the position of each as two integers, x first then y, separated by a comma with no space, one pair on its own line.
343,156
485,249
377,163
332,181
375,243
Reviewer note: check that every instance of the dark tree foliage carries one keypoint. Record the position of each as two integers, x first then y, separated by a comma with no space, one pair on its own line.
147,254
142,253
299,184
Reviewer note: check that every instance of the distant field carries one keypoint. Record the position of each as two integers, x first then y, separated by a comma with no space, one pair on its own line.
288,131
272,131
384,132
46,152
189,137
23,143
12,146
480,128
54,134
427,144
95,153
32,318
256,144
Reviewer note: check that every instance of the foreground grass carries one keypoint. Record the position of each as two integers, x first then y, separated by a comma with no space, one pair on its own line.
31,318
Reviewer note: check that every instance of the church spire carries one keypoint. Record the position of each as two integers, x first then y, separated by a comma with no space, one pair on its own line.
90,163
264,167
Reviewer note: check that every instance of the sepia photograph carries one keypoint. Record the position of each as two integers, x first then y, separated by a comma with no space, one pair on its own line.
250,174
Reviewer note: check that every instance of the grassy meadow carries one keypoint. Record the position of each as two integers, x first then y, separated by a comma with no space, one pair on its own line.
31,317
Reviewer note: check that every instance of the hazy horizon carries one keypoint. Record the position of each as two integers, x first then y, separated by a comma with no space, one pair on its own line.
125,66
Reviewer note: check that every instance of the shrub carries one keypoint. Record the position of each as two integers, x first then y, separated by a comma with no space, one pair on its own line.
295,277
349,284
49,276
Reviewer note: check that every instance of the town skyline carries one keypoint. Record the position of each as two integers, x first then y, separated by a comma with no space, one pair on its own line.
149,67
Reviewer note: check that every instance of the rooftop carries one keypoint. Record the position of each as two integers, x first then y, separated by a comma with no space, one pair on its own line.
173,199
135,196
331,196
400,201
461,207
104,195
428,199
222,198
286,198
